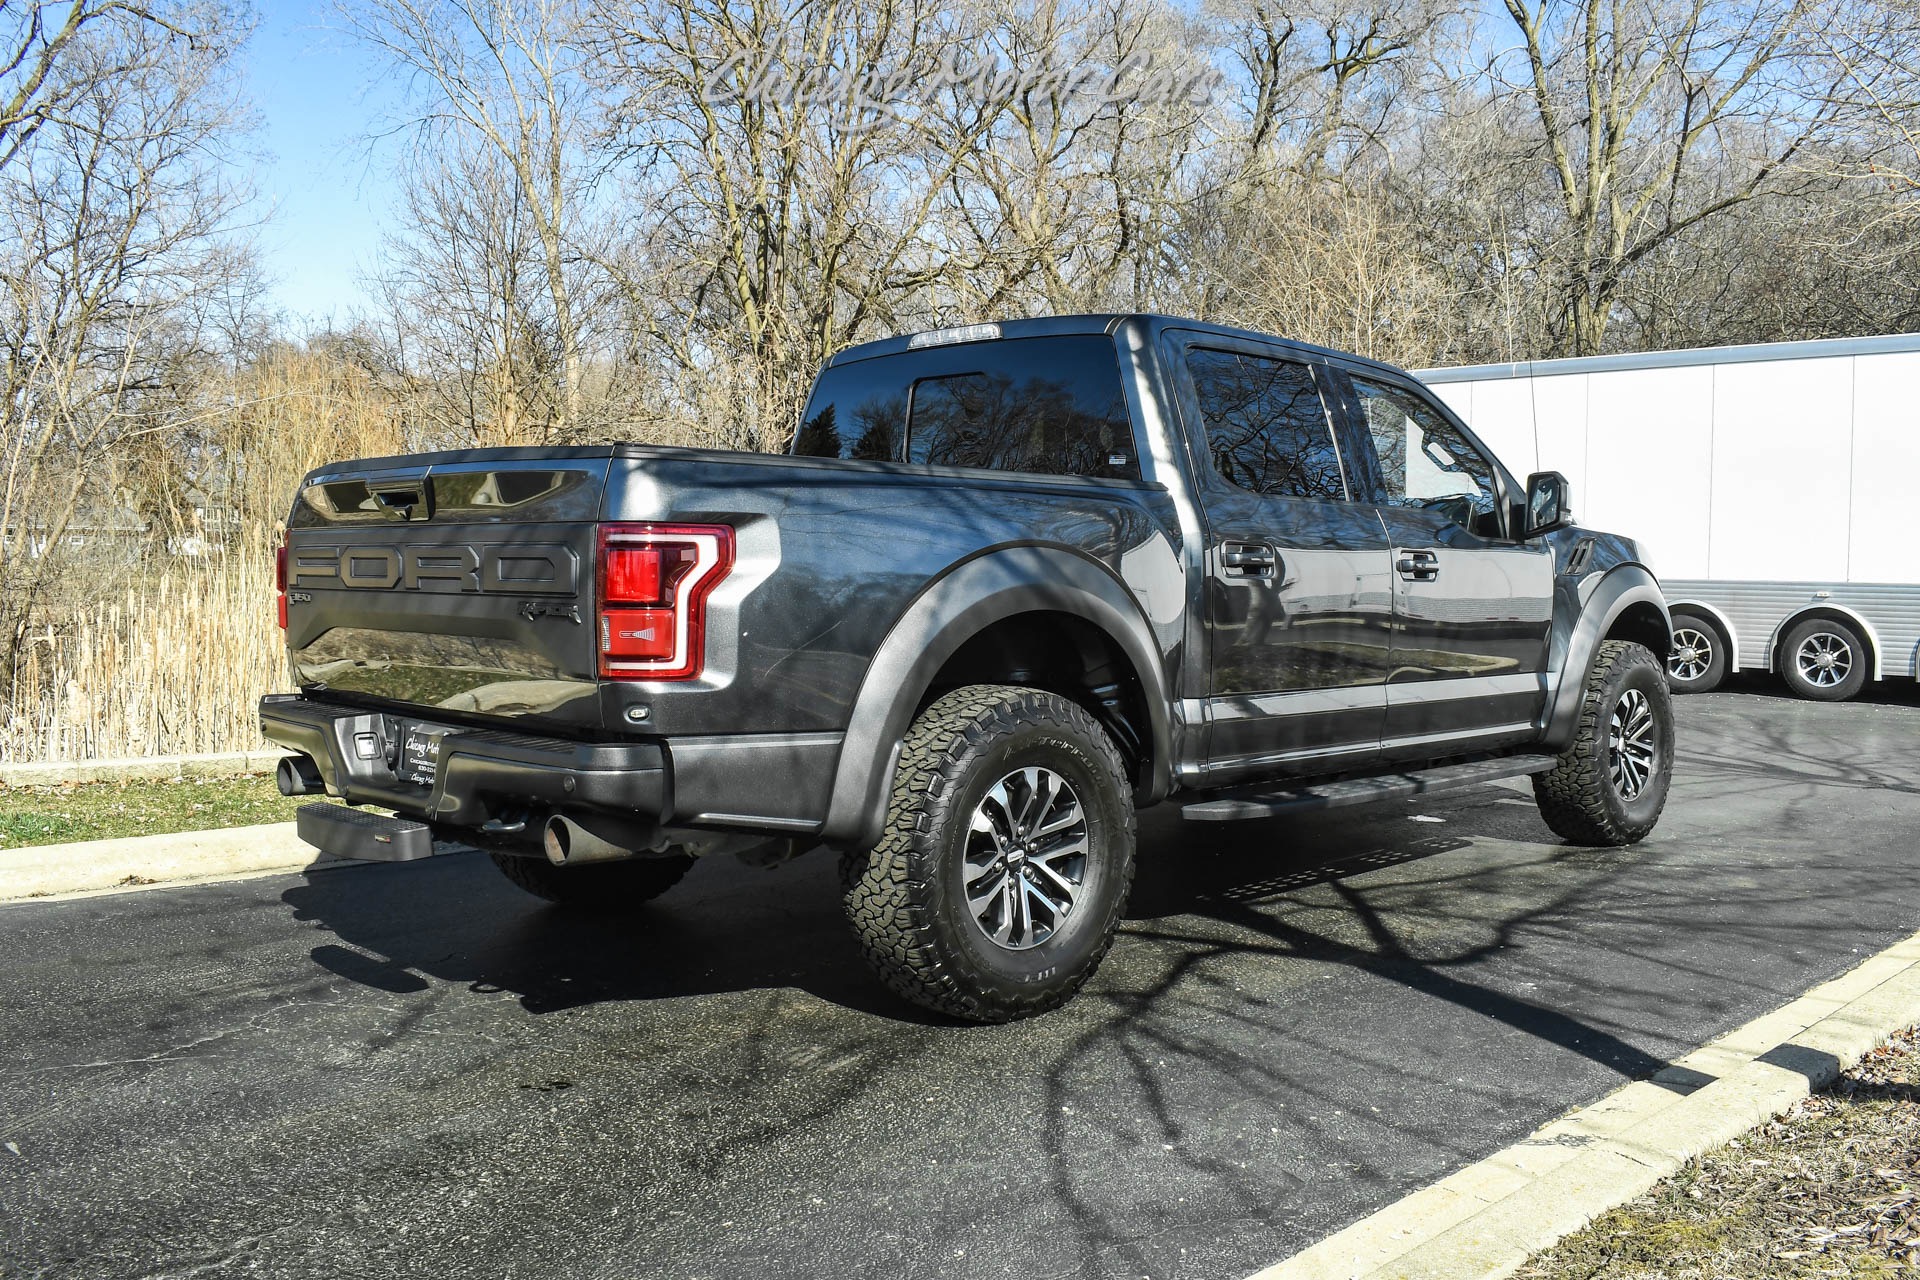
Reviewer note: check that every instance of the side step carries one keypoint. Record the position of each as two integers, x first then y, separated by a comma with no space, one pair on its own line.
350,833
1240,804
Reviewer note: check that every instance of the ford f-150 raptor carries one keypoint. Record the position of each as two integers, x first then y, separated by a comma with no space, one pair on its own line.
1012,583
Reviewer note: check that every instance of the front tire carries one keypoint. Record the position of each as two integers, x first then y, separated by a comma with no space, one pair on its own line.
596,886
1697,662
1609,787
1824,660
995,891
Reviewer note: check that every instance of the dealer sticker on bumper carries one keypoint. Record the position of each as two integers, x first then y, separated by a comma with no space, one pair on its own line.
420,754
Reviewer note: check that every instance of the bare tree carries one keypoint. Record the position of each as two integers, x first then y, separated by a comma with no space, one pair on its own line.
467,313
1653,120
506,76
781,180
115,215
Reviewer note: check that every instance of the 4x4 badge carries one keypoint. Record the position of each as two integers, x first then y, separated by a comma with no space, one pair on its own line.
533,611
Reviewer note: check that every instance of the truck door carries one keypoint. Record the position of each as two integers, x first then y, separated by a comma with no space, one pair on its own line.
1472,608
1297,596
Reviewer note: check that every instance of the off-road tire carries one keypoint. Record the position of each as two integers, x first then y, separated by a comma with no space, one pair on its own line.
1859,660
1579,797
596,886
906,898
1716,658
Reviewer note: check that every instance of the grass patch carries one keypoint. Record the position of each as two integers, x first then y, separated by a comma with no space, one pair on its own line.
105,810
1832,1188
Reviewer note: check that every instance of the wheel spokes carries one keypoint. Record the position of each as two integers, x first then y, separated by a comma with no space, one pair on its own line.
1824,660
1025,857
1692,654
1632,742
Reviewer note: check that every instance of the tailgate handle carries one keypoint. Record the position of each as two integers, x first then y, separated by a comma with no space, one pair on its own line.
403,499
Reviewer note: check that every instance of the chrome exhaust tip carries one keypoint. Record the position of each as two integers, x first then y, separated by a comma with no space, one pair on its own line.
568,844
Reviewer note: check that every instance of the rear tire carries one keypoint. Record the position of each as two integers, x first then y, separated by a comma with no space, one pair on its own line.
1609,787
597,886
1824,660
1006,861
1698,661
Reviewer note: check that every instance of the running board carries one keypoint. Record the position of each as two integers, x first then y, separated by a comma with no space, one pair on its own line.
1247,802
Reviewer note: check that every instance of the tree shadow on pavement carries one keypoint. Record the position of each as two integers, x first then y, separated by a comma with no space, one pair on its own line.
1250,1032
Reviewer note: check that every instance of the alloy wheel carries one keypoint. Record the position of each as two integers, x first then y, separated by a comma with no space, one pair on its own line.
1824,659
1026,858
1692,654
1631,743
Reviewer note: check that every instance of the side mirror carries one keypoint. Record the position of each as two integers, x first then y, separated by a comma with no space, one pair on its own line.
1548,504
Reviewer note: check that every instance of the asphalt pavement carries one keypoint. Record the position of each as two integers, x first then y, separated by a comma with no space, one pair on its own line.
416,1070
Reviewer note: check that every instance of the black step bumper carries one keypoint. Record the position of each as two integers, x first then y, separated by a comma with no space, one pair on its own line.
481,774
350,833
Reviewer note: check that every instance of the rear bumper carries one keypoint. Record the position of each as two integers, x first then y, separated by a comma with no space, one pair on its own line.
483,775
775,783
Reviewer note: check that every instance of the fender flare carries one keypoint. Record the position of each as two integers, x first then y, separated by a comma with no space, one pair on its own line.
1620,589
952,610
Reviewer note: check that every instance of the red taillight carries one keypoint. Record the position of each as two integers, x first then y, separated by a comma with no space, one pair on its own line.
654,580
280,578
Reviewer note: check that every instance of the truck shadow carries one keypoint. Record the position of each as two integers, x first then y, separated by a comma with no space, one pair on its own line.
1250,1033
1215,893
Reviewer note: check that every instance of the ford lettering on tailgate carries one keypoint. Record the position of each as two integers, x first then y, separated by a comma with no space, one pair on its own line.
516,569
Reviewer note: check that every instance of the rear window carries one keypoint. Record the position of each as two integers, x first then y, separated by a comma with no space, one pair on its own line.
1047,406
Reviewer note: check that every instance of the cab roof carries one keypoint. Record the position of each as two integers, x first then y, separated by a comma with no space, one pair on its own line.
1057,326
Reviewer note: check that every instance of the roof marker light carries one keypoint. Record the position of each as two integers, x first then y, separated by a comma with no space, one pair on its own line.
943,337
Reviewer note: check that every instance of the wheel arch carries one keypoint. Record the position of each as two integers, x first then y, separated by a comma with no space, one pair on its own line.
1019,591
1625,604
1729,634
1833,613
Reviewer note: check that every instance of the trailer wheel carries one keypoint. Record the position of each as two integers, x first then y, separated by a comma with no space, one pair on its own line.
1825,660
597,886
1697,662
1608,788
1006,860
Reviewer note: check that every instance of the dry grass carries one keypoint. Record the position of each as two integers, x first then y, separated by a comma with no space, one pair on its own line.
1832,1188
176,661
174,665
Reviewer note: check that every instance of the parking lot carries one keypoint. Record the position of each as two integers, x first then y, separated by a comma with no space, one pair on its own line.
415,1069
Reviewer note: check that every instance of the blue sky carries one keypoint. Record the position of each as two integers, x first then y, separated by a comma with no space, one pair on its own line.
326,197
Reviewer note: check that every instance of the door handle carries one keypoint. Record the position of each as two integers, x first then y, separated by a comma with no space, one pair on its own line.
1418,566
1249,560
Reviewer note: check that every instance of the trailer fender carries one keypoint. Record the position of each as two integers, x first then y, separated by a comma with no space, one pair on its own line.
1626,601
1826,608
1719,616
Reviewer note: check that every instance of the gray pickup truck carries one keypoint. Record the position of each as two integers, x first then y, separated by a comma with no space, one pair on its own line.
1013,583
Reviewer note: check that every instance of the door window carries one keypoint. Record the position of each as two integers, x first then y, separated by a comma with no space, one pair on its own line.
1425,461
1265,425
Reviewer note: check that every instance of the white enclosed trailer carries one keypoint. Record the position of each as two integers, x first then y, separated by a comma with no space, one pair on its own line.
1775,488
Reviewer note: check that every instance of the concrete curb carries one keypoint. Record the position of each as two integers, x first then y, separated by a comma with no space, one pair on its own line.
189,857
1485,1221
222,765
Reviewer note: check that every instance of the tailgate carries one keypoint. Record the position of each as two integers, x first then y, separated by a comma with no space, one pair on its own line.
462,585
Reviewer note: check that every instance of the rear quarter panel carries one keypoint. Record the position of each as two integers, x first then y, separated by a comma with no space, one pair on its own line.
831,554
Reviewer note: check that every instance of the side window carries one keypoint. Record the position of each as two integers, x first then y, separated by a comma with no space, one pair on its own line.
855,414
1048,406
1266,428
1425,461
1062,416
